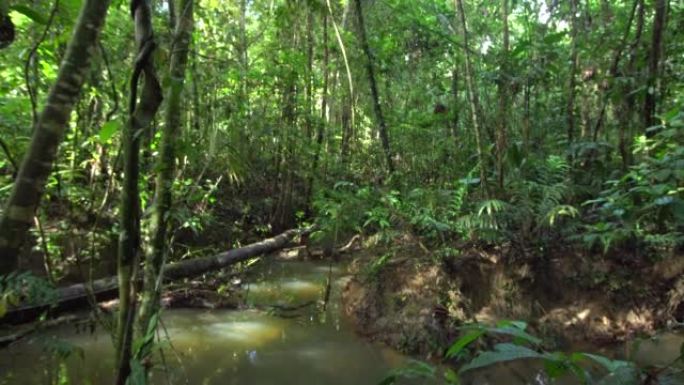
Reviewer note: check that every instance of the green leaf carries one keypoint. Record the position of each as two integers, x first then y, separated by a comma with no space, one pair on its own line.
554,38
501,353
30,13
517,333
662,175
463,342
626,375
108,130
451,377
670,115
607,363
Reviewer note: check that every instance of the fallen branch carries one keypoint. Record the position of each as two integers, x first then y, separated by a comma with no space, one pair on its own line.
7,340
76,296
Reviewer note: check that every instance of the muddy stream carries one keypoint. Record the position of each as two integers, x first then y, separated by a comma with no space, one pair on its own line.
286,339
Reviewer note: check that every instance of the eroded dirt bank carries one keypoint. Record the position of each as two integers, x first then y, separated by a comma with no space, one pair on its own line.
414,302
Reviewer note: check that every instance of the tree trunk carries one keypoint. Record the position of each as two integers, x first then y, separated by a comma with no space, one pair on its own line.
455,106
48,133
650,101
324,109
572,81
629,100
377,107
140,116
156,258
613,72
309,88
347,110
504,95
473,96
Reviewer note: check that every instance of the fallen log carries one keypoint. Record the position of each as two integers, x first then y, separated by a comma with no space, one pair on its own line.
9,339
77,296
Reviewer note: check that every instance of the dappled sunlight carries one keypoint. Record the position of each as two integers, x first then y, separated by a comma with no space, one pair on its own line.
245,332
289,291
578,317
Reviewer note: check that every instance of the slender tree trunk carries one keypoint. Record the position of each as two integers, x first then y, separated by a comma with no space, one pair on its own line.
504,103
246,108
309,88
629,99
613,72
141,114
48,132
282,216
324,108
526,114
572,80
347,108
473,96
650,101
196,115
156,258
172,14
377,107
455,108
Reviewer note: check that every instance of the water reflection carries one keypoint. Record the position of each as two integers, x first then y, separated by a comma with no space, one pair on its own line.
229,347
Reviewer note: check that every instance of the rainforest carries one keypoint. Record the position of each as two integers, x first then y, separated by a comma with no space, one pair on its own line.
366,192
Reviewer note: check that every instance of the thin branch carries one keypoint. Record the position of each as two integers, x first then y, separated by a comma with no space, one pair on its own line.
29,59
8,154
115,94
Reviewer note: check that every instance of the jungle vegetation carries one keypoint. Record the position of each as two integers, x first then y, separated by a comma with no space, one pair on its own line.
136,134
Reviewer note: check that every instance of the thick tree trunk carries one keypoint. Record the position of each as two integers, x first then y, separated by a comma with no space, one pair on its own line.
141,115
377,107
76,296
48,133
156,257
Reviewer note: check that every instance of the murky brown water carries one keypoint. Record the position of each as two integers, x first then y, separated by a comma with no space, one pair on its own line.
228,347
274,345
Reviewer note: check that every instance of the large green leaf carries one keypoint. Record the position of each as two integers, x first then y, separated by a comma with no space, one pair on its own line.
515,329
108,130
30,13
607,363
502,353
463,342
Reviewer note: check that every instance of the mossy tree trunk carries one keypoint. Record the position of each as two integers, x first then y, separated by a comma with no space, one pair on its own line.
48,132
141,114
156,257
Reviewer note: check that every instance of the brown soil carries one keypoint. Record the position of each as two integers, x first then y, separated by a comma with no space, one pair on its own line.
415,303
